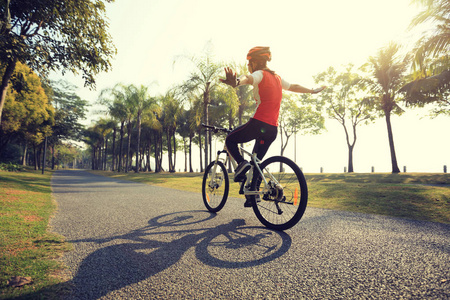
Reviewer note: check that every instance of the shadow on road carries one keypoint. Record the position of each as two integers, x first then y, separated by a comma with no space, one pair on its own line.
142,253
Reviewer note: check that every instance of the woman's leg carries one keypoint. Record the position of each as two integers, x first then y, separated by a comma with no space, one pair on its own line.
266,138
241,134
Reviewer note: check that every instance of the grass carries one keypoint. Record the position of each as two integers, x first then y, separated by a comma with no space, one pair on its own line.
418,196
27,248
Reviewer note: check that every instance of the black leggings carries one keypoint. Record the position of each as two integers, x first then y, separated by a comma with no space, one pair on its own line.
263,133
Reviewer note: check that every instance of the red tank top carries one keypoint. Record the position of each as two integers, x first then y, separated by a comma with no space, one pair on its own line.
268,99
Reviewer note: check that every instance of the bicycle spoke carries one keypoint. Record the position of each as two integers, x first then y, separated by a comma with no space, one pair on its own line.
285,197
215,186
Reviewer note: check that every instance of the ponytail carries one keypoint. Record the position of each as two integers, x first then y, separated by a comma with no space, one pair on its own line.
262,65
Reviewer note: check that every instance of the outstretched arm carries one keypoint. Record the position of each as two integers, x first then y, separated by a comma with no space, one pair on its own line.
300,89
230,78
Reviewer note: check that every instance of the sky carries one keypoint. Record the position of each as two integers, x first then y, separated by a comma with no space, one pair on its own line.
306,37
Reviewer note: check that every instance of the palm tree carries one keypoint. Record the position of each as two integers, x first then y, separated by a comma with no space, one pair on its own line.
202,81
130,114
245,95
184,131
436,44
144,106
430,82
172,110
93,138
387,72
105,126
114,99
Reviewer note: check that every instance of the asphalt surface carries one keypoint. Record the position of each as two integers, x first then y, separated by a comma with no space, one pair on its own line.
136,241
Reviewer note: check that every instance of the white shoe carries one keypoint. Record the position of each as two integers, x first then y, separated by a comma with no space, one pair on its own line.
242,168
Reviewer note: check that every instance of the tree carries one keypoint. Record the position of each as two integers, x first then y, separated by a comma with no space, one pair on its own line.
140,102
347,102
430,81
171,112
104,127
69,110
27,113
387,70
298,113
202,81
93,138
184,131
224,106
114,100
245,96
48,35
437,43
192,126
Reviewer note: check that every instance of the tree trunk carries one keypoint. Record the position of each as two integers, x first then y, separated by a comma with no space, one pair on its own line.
127,164
138,159
206,104
174,151
105,157
185,155
5,83
24,157
93,157
149,169
169,149
395,168
350,146
190,153
119,168
113,162
157,161
200,152
160,149
53,157
35,158
350,158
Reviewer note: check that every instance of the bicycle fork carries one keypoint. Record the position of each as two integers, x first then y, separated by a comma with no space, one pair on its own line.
213,184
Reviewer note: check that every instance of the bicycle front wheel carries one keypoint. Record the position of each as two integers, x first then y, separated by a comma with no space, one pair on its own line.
284,201
215,186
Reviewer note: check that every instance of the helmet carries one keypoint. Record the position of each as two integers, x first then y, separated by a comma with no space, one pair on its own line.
259,53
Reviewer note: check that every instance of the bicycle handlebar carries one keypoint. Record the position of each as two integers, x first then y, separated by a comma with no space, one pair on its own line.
216,129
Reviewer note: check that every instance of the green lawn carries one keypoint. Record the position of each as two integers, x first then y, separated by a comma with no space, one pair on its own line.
27,248
419,196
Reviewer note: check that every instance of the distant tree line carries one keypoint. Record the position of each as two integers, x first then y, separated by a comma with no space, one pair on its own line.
139,132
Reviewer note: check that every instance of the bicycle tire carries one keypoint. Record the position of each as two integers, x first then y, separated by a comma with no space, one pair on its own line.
280,209
215,196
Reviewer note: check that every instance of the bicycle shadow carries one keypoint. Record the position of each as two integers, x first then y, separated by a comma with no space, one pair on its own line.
150,250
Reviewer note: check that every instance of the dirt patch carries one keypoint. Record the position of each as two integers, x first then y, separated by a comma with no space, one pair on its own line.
32,218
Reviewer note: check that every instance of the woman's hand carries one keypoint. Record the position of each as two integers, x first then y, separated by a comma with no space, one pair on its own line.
318,90
230,78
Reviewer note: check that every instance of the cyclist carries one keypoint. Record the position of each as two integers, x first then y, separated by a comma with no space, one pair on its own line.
267,91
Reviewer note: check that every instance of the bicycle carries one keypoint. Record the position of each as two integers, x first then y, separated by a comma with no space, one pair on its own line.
276,187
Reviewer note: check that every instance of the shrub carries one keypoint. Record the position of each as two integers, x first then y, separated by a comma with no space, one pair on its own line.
10,167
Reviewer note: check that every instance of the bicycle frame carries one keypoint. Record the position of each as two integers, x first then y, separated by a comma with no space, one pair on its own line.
249,175
277,203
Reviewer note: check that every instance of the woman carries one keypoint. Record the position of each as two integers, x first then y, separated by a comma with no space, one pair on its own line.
267,91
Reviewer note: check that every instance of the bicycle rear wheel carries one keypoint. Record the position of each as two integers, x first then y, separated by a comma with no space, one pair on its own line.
284,203
215,186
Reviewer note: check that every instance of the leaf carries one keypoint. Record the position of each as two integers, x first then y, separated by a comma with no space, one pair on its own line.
18,281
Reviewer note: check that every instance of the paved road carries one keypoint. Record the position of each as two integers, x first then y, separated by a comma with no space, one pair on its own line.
136,241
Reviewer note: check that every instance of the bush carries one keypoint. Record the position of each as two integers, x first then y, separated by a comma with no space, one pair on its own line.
10,167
